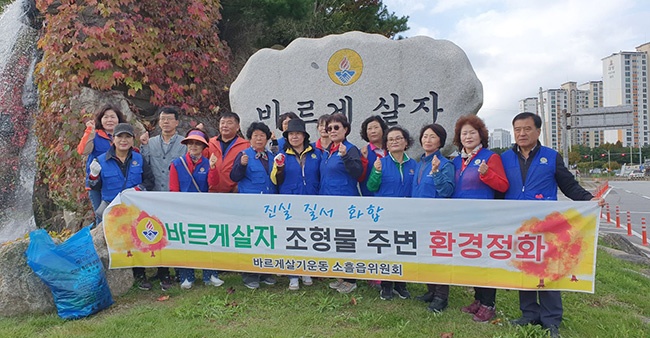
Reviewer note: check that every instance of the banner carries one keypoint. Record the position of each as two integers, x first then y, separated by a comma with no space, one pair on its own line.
526,245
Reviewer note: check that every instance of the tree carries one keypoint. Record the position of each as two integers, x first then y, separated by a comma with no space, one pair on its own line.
249,25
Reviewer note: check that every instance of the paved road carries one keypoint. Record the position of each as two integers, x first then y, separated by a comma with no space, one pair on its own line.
632,196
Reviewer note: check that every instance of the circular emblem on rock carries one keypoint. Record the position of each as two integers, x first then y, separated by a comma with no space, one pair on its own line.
345,67
149,231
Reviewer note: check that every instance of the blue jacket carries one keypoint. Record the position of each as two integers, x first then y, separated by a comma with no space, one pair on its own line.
396,183
113,180
540,179
301,180
200,174
101,143
437,185
334,177
257,179
468,183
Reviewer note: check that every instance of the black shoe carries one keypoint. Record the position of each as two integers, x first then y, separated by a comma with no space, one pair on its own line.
427,297
166,283
267,279
386,293
554,331
402,292
438,305
144,284
523,321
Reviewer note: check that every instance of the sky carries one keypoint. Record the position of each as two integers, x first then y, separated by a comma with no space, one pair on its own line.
518,46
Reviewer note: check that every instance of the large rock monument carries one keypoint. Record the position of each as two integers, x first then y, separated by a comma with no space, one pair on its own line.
410,82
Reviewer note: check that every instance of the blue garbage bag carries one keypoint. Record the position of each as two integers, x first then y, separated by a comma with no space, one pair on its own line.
72,270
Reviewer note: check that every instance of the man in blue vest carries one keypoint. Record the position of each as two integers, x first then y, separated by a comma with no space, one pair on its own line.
535,172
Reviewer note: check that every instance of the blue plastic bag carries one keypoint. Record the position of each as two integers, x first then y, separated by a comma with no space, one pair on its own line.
72,270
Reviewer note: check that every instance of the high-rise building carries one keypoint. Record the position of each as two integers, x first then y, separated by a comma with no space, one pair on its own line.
553,102
500,138
625,82
590,96
529,104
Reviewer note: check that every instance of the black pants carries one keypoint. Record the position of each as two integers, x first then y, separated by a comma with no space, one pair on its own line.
487,296
547,311
161,273
392,285
439,290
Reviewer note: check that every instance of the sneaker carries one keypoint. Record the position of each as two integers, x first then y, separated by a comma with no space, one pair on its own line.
438,305
523,321
252,285
144,284
386,293
293,284
471,308
307,280
427,297
186,285
347,287
402,292
336,284
166,283
554,331
484,314
214,281
268,280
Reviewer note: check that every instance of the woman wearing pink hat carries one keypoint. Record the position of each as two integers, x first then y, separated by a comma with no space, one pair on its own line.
194,173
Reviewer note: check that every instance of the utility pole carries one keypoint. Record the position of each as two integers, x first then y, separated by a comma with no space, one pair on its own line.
565,131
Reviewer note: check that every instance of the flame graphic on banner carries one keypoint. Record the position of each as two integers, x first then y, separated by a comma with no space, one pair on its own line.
130,228
565,245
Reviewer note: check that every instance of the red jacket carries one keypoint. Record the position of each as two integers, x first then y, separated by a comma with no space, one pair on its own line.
225,162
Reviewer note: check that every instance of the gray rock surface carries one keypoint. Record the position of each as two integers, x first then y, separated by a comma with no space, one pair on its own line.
21,291
119,280
360,75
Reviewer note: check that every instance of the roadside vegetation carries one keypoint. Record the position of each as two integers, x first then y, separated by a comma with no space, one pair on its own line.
619,308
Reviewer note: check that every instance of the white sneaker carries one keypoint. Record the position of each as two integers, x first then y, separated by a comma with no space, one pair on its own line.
214,281
293,284
186,285
307,280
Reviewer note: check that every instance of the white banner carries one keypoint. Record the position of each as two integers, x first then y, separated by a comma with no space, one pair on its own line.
491,243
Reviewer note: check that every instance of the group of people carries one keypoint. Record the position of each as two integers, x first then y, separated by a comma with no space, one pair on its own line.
293,164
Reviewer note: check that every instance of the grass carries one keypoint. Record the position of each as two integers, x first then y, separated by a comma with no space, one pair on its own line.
619,308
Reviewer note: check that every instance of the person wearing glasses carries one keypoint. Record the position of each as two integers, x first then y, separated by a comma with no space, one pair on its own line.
479,175
340,170
392,176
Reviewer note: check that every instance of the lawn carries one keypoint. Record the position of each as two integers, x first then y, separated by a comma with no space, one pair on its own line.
619,308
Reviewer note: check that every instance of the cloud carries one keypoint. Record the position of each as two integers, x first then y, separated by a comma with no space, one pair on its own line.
517,46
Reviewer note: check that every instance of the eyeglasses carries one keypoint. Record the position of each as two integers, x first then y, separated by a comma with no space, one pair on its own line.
334,127
194,143
397,139
164,119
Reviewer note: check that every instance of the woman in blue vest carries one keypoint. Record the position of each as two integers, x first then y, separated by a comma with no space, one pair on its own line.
479,174
194,173
340,169
120,168
251,169
372,131
434,179
96,140
296,172
392,176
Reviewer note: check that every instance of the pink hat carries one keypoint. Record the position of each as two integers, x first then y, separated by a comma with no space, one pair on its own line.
196,135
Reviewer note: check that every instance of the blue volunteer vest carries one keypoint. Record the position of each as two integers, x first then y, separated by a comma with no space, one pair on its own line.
200,174
468,183
372,156
257,179
540,179
423,184
394,183
299,180
113,181
334,179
